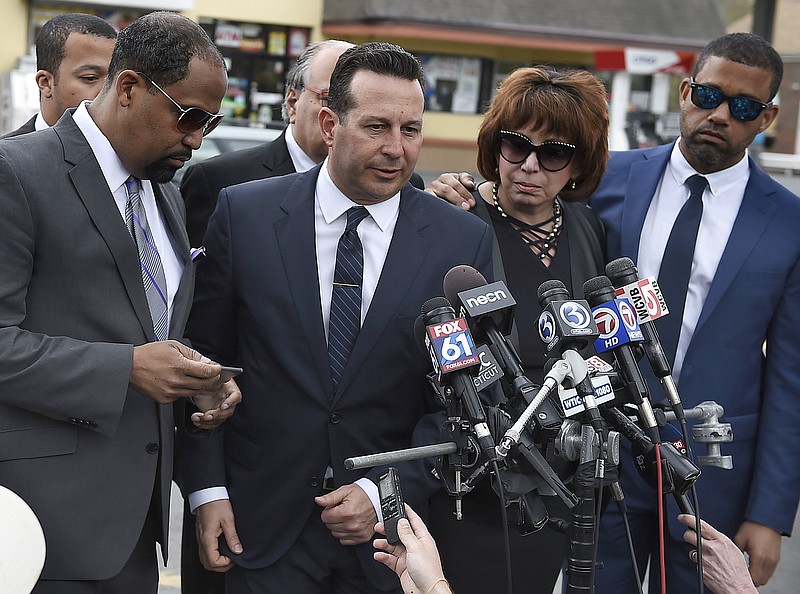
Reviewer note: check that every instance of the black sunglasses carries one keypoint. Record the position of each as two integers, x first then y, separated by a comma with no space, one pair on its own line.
743,109
193,118
552,155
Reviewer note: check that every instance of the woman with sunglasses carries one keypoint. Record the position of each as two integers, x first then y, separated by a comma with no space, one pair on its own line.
542,146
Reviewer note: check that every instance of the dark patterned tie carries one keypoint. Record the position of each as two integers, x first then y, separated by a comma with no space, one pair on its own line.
676,266
345,318
155,283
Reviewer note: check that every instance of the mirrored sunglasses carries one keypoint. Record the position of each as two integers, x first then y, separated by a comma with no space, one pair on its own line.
552,155
743,109
193,118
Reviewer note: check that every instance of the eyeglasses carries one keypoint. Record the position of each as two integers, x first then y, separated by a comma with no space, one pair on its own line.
743,109
552,155
323,95
193,118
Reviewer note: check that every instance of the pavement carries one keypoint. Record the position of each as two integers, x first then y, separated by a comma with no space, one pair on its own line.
785,581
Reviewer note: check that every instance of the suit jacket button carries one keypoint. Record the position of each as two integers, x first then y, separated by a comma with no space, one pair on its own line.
314,481
335,417
152,448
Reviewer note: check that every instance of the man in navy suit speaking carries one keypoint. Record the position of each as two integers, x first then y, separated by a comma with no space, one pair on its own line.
314,292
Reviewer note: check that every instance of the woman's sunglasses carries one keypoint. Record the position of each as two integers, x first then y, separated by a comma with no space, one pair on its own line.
743,109
193,118
552,155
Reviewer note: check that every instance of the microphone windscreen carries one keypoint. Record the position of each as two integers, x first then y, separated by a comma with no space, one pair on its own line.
434,303
551,288
622,269
461,278
597,286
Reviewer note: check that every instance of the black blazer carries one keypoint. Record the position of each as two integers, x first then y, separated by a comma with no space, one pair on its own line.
257,306
202,182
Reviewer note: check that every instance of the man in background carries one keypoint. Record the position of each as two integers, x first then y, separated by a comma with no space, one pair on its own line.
299,148
72,55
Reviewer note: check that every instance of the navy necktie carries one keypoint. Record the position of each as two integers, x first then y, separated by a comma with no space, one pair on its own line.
345,318
153,278
676,265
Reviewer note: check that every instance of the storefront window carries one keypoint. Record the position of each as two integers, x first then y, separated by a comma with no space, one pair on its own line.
453,83
258,57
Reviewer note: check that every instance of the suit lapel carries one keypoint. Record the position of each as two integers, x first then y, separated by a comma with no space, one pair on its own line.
93,191
276,157
407,252
639,191
297,244
755,213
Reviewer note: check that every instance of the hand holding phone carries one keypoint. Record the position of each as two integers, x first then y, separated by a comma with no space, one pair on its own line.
392,506
227,373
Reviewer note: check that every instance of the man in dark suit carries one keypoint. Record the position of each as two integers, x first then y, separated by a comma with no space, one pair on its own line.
272,483
96,278
299,148
72,55
743,292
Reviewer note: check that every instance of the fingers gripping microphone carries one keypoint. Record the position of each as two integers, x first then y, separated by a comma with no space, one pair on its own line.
618,327
453,355
625,277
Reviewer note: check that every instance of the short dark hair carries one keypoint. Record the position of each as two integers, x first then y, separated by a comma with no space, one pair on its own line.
570,103
54,33
161,45
748,49
378,57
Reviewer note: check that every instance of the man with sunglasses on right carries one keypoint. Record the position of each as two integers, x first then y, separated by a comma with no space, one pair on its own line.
743,279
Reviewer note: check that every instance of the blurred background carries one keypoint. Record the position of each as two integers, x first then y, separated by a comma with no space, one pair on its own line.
641,50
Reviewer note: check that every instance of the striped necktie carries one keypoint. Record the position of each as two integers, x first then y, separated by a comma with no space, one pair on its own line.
345,318
153,278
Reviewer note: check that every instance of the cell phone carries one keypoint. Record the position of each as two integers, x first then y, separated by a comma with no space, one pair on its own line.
229,372
392,506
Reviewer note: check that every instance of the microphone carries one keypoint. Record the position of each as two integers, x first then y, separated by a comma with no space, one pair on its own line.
454,359
625,277
490,309
679,471
618,328
566,326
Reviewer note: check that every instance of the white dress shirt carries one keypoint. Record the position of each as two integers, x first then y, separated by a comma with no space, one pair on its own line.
301,161
721,201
